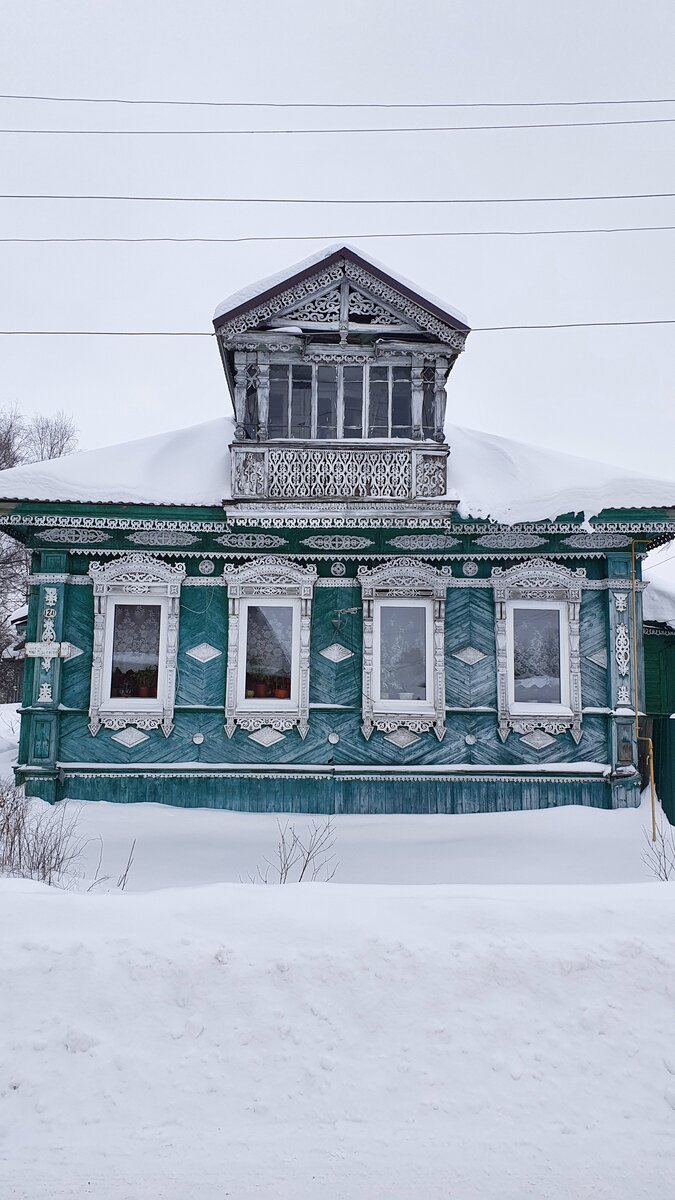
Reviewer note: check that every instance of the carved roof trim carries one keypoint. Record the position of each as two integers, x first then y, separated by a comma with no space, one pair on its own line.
324,270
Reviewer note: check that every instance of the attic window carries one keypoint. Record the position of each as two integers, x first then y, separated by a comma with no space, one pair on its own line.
349,400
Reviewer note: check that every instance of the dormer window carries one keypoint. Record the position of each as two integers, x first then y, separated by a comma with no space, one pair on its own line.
346,400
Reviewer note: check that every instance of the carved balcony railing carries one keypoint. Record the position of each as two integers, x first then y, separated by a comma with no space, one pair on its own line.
337,471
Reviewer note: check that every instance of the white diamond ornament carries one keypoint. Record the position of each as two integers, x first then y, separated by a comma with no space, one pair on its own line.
129,737
266,736
402,738
203,653
469,655
538,740
336,653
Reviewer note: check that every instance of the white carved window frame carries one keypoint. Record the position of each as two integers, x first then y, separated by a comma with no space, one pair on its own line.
539,584
134,579
404,579
268,580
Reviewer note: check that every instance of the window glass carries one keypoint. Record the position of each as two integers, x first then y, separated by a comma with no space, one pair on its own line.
352,387
403,653
251,414
536,656
401,407
428,402
378,403
278,403
135,653
326,412
269,651
301,400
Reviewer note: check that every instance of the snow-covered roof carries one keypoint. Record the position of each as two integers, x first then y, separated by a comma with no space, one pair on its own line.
658,601
253,290
491,477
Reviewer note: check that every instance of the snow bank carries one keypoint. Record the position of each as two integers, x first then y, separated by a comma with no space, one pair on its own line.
492,477
358,1042
177,847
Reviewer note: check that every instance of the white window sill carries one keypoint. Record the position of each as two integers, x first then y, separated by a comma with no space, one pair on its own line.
538,710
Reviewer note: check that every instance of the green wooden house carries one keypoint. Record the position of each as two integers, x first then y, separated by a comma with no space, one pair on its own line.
334,600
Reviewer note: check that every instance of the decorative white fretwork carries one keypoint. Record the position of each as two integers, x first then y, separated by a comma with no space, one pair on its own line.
336,653
203,653
45,693
206,566
251,541
623,694
163,537
597,541
510,541
136,574
470,568
338,568
74,537
336,541
324,309
424,541
622,645
271,575
332,472
404,577
539,579
360,305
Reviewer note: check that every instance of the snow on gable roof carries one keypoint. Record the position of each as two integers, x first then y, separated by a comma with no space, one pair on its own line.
491,477
254,292
658,600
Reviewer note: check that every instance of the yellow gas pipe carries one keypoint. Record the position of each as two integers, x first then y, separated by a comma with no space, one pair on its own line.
638,735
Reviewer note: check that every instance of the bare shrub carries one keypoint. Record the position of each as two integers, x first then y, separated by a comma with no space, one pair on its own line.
300,857
659,855
34,843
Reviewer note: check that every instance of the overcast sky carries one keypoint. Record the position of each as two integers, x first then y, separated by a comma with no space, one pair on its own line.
602,393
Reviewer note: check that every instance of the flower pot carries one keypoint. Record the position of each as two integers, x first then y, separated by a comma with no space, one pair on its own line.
281,693
143,692
260,690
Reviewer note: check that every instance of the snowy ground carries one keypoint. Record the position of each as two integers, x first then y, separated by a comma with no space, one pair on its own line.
478,1008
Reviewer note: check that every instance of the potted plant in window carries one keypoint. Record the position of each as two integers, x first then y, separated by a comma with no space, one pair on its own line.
146,683
282,690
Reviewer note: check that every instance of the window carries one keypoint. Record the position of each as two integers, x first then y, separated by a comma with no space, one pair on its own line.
269,664
402,653
136,613
267,689
345,400
538,666
135,651
537,606
403,650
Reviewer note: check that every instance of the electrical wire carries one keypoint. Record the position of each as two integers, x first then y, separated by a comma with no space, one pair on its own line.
328,239
330,200
206,333
328,132
331,104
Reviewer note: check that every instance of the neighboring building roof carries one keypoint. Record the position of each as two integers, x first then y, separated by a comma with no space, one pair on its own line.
492,477
254,293
658,600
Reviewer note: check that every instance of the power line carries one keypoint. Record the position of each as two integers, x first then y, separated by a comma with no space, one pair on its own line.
206,334
325,200
302,237
328,132
331,104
